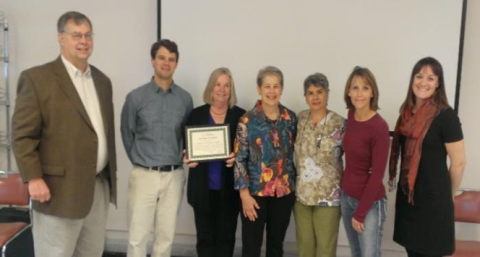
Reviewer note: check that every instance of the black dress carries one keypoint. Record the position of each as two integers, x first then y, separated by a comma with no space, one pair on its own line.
428,226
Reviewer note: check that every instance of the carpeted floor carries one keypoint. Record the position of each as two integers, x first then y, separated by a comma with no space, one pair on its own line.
109,254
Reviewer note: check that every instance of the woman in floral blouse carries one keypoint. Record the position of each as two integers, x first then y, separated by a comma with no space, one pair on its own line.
264,171
318,159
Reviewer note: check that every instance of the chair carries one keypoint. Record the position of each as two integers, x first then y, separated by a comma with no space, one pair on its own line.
12,192
467,209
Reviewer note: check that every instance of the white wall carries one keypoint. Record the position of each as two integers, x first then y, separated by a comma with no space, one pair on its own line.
124,32
469,109
3,98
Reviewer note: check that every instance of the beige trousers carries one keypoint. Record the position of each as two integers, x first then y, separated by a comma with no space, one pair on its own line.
154,199
61,237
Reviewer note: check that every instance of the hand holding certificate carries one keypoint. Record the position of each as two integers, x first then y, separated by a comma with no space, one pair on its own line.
207,143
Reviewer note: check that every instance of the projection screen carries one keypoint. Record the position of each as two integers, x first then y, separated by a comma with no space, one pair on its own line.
303,37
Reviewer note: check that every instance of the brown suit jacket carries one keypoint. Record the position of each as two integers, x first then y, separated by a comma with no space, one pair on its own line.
53,138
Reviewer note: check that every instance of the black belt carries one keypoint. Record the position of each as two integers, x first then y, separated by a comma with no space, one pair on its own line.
164,168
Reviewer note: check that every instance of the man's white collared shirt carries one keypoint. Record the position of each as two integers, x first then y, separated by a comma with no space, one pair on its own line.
83,82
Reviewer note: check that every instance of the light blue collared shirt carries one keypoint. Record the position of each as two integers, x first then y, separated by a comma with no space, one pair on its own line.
153,122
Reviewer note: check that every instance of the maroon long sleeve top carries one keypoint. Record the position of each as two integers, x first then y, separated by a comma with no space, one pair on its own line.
366,146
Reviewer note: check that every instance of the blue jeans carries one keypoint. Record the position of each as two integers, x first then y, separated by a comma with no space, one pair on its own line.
366,244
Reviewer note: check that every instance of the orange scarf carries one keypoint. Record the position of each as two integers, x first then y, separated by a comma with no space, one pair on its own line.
414,128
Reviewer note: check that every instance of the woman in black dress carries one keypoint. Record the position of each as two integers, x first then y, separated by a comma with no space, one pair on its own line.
427,131
210,184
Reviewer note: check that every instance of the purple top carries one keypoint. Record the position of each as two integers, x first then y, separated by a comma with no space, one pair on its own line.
214,170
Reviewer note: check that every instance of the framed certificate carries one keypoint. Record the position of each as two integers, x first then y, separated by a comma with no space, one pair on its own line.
207,143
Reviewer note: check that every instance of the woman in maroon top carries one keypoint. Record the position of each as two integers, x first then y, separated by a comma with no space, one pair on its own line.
366,144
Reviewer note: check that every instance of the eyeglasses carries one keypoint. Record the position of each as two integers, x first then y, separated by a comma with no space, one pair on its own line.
78,36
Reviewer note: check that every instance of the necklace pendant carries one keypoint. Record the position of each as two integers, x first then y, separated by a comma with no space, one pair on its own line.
319,141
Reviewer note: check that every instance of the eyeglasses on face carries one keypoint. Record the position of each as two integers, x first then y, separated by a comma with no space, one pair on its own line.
78,36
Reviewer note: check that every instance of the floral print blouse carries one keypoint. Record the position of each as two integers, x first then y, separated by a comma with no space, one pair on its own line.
318,159
264,152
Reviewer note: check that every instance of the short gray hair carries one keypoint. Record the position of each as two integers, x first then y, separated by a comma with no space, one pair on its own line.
317,79
76,17
269,70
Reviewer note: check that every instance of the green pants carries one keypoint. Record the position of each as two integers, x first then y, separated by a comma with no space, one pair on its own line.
317,230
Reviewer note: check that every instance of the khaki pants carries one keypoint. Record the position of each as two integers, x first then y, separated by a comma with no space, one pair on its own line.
317,230
61,237
153,202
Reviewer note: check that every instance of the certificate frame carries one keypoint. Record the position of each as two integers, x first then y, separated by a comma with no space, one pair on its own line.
208,142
